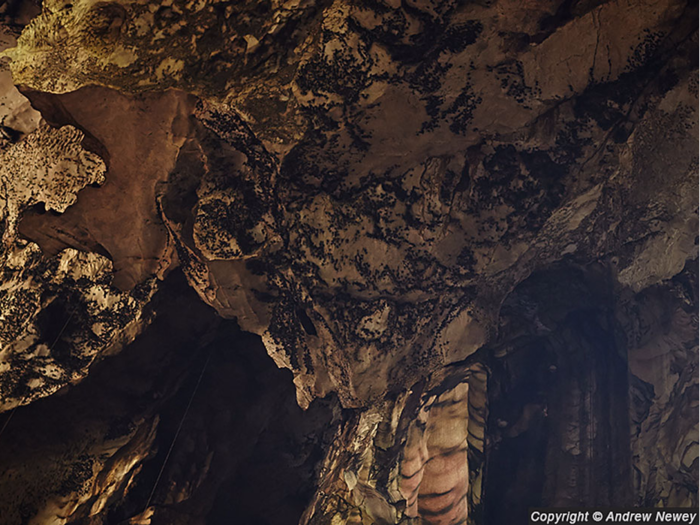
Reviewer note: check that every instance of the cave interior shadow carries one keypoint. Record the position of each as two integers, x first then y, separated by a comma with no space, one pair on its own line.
559,425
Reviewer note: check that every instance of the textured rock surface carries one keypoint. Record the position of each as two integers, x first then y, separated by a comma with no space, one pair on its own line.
469,230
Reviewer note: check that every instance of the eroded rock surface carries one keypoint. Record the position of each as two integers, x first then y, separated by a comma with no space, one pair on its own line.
469,230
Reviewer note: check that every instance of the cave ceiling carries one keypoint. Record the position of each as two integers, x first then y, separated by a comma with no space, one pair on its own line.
346,262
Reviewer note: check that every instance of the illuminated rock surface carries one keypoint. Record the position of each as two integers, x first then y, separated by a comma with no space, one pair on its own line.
467,230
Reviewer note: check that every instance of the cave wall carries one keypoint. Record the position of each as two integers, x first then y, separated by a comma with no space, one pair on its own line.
466,231
567,437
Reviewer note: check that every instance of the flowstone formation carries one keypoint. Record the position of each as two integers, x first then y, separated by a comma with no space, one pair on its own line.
467,230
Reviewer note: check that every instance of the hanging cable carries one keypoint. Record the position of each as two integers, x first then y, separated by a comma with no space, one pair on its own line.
179,428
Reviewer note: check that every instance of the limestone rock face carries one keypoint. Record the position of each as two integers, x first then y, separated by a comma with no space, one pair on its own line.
467,229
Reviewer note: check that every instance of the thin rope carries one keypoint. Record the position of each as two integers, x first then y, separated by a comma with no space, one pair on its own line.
12,412
7,421
177,433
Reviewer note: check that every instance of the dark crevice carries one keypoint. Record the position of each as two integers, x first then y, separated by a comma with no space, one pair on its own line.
569,373
261,449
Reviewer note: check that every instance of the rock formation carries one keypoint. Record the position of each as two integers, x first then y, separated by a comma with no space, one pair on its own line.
342,262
